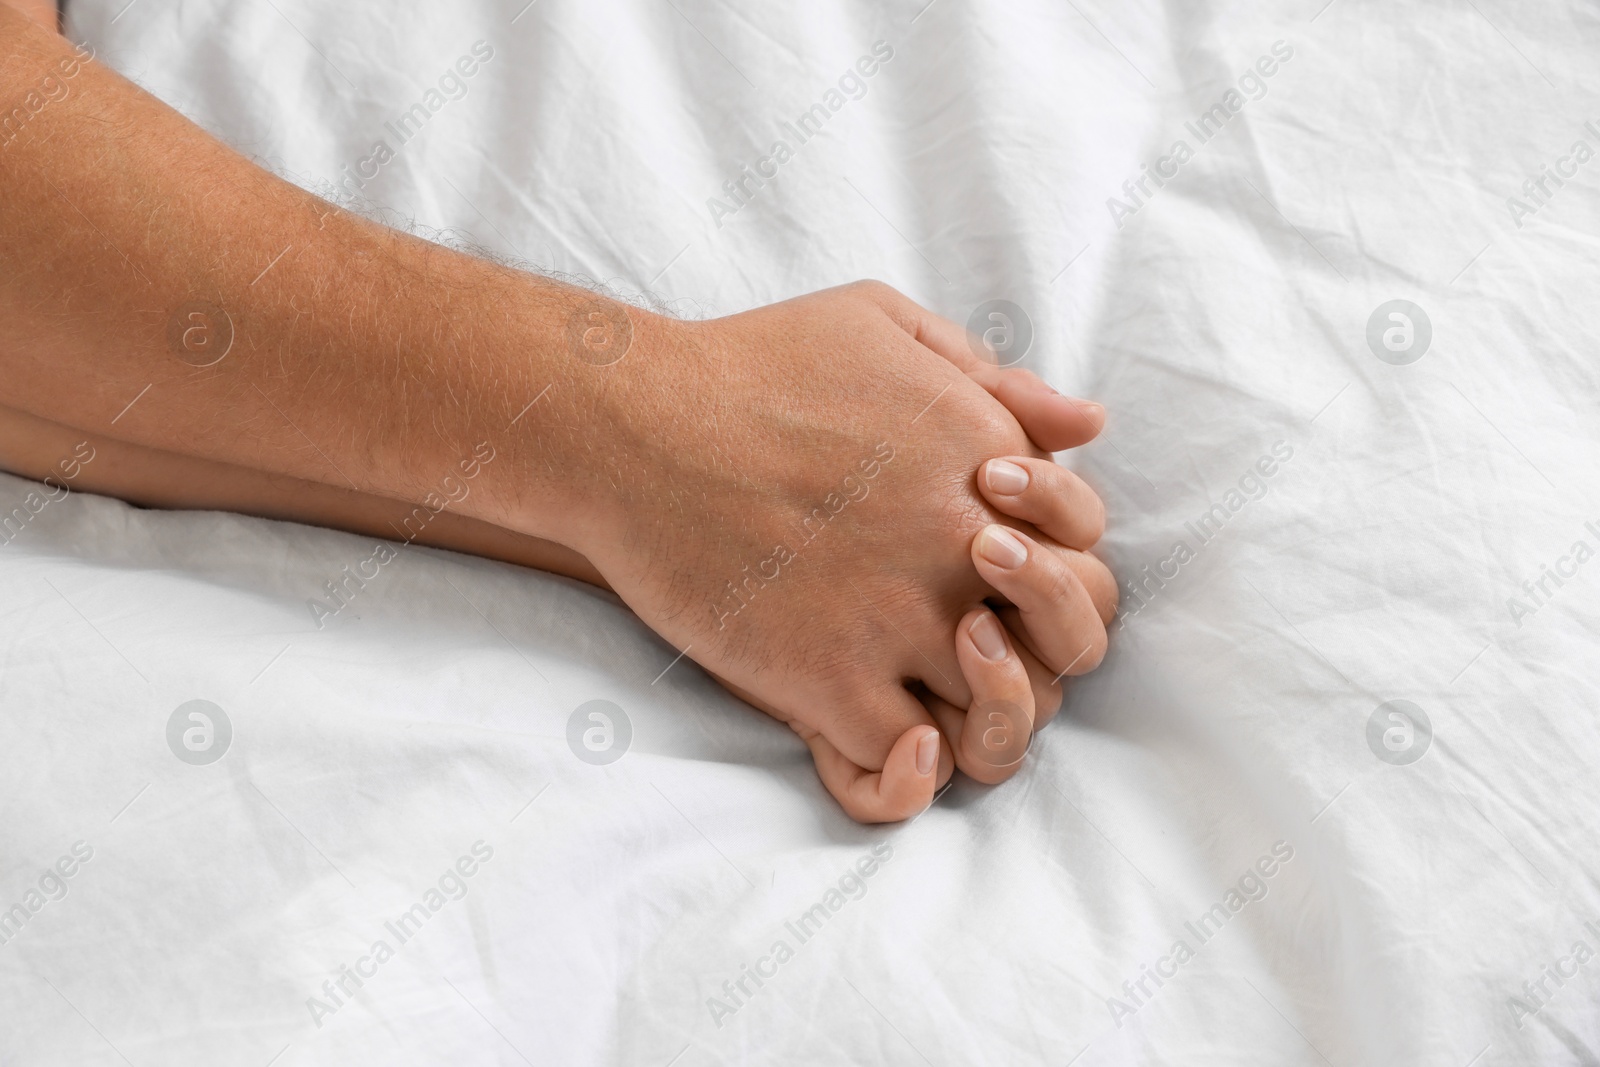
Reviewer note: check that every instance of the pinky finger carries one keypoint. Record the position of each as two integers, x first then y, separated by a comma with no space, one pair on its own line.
905,786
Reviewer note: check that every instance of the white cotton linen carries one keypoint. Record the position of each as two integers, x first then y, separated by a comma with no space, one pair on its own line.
1220,315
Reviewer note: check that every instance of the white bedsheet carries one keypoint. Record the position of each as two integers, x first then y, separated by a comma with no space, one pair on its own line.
1226,317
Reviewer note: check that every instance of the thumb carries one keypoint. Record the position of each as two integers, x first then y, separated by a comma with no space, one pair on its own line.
917,764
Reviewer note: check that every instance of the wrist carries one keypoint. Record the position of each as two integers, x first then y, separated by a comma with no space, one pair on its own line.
563,408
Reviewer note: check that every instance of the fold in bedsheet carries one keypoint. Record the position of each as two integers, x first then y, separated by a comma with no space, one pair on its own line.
1330,800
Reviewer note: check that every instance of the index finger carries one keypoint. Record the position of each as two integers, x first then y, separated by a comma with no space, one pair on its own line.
1051,420
992,736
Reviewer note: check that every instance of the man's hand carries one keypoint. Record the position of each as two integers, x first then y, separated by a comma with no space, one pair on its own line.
789,495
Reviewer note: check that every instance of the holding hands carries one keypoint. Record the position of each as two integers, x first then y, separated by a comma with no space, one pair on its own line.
921,624
833,504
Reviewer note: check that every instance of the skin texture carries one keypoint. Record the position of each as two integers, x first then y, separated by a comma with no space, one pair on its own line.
874,590
153,478
42,12
789,494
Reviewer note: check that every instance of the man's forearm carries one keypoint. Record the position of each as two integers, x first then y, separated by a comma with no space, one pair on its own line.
157,287
41,11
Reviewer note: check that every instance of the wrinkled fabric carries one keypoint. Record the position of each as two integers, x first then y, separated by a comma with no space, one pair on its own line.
1331,797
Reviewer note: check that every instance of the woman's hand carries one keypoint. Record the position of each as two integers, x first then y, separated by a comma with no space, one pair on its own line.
987,739
789,495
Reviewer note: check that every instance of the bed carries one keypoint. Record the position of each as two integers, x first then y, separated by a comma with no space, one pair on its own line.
1330,800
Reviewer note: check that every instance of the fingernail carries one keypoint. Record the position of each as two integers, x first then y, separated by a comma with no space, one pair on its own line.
1005,477
1089,407
1000,546
985,633
928,752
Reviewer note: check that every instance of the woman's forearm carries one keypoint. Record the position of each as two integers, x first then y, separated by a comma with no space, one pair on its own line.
788,494
66,459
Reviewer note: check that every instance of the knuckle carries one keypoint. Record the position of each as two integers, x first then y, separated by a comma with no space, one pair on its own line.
1030,380
963,514
1058,581
875,290
995,430
984,428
